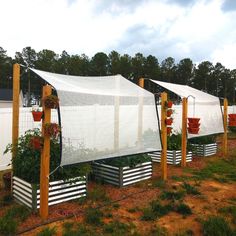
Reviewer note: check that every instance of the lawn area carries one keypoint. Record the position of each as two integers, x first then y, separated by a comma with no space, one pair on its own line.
197,200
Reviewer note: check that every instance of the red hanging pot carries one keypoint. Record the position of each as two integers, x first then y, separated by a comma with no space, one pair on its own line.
193,120
37,115
36,143
232,116
193,130
232,123
193,125
169,121
169,104
169,112
169,130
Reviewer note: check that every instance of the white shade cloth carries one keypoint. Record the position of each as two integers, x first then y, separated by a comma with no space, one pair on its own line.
200,104
103,117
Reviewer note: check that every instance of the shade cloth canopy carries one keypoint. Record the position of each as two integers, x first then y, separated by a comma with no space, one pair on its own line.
103,117
201,105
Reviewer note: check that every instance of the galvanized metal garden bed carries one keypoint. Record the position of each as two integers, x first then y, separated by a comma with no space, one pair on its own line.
205,149
122,176
59,191
173,156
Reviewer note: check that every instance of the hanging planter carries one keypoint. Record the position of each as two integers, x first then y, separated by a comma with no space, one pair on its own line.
36,143
232,120
37,115
51,102
168,104
169,112
169,121
193,125
169,130
52,129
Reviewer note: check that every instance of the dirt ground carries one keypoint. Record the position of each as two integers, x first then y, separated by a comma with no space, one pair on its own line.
125,204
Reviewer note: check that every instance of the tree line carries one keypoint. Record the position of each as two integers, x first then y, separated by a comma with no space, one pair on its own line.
213,79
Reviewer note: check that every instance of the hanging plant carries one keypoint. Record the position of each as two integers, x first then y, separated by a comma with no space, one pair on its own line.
169,121
52,129
168,104
169,130
51,102
37,114
36,142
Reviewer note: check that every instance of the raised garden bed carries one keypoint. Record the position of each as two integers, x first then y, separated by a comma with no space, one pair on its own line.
205,149
122,176
173,156
59,191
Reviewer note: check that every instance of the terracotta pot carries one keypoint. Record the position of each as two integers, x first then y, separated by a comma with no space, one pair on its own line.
37,115
193,120
193,130
193,125
169,121
169,104
232,116
232,123
169,130
169,112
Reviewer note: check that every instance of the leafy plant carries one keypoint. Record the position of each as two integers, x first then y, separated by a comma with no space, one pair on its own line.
183,209
26,163
8,225
172,195
51,101
130,161
204,139
52,129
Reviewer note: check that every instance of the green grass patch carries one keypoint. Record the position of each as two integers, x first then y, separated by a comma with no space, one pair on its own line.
229,210
8,225
98,194
217,226
158,231
190,189
172,195
47,232
93,216
183,209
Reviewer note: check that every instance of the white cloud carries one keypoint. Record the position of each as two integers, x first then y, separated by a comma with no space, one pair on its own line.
200,30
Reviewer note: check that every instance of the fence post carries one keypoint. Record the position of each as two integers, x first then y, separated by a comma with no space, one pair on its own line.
225,136
45,159
163,136
15,107
184,131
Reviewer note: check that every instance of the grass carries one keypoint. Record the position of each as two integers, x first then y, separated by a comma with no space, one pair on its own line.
172,195
158,231
93,216
183,209
217,226
229,210
98,194
190,189
47,232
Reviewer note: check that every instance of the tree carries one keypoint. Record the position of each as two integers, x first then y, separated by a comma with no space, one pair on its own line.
184,71
114,63
99,64
168,69
5,69
125,66
151,67
46,60
138,62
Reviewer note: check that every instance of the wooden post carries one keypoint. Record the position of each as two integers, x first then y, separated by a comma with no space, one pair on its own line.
140,114
15,107
184,131
45,159
225,136
163,136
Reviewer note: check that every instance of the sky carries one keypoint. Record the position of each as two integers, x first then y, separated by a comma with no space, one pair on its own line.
197,29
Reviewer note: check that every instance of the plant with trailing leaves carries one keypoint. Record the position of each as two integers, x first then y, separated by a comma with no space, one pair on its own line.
26,163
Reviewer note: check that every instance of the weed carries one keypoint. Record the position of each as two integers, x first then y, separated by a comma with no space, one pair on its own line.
217,226
93,216
158,231
47,232
148,214
158,183
117,228
98,194
8,225
160,210
172,195
116,205
133,210
190,189
183,209
229,210
19,212
188,232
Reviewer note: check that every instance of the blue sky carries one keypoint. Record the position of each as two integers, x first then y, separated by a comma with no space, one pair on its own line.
198,29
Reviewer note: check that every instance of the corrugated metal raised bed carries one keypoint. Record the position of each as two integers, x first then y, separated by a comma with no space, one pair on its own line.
59,191
173,156
122,176
205,149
